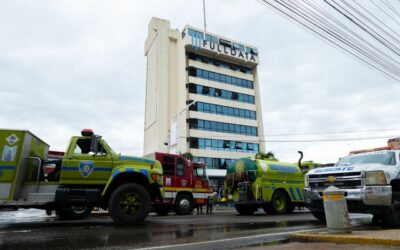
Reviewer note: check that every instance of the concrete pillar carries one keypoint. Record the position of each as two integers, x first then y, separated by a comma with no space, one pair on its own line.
336,213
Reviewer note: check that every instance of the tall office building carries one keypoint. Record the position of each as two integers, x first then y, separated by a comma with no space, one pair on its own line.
202,96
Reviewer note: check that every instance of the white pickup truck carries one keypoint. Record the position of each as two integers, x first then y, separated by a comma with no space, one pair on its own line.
370,179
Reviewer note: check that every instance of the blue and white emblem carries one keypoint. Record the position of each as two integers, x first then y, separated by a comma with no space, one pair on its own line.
86,168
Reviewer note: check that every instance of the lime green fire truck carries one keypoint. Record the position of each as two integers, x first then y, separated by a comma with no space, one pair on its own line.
272,185
90,174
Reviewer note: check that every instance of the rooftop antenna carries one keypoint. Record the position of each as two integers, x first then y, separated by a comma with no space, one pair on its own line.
204,17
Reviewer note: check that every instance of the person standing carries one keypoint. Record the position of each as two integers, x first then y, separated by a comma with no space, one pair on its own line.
211,201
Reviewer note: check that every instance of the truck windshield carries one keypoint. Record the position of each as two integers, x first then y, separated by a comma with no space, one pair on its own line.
200,172
108,146
384,158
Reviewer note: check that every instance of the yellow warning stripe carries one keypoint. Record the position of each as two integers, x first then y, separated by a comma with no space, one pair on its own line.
333,197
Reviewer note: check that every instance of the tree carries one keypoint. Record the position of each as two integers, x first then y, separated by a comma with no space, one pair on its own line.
270,156
187,156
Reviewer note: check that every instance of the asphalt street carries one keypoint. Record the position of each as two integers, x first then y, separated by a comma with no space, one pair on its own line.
33,229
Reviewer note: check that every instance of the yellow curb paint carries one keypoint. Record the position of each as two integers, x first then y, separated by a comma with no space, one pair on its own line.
345,240
332,197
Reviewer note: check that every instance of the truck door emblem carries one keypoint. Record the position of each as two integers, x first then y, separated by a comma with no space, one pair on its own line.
183,183
86,168
11,139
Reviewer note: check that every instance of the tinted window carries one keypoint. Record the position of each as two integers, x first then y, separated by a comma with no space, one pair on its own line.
82,146
168,165
180,167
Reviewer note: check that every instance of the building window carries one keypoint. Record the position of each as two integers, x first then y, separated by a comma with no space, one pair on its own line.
214,163
221,145
222,127
220,93
223,110
222,64
209,75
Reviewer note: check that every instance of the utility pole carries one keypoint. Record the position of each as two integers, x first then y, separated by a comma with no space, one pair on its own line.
204,17
175,128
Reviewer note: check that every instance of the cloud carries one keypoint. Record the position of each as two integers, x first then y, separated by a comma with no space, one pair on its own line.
66,66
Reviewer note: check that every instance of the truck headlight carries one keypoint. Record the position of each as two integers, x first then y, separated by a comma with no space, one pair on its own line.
375,178
306,181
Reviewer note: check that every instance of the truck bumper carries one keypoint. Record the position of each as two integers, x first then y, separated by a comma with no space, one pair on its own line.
370,199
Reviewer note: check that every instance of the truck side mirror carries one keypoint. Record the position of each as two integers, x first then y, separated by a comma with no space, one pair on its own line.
94,142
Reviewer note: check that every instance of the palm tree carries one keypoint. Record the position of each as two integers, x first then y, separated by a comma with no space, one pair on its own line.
187,156
270,156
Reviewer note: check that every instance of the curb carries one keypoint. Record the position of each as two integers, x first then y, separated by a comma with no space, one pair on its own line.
348,239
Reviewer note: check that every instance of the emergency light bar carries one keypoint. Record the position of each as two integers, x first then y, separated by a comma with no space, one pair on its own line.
87,132
370,150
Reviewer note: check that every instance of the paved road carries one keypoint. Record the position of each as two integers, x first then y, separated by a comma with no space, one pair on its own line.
32,229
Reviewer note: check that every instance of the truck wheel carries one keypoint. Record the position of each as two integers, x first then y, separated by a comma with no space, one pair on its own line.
129,204
162,210
183,205
320,216
245,209
291,208
268,209
74,211
390,218
279,202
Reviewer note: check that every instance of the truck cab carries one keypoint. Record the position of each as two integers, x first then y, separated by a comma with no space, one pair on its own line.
186,184
89,174
370,179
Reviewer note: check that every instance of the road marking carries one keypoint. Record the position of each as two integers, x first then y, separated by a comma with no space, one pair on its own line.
18,231
234,239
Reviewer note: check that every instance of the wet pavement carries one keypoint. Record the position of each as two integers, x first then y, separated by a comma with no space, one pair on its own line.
33,229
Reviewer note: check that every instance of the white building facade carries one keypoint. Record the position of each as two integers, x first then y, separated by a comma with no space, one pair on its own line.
202,96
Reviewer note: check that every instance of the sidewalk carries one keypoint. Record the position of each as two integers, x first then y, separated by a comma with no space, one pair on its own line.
380,237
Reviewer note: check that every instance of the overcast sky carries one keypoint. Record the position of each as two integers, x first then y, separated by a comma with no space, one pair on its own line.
69,65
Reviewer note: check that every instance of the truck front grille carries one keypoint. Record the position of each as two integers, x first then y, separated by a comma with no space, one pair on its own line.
341,180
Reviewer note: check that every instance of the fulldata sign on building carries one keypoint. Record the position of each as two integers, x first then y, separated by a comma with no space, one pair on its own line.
223,47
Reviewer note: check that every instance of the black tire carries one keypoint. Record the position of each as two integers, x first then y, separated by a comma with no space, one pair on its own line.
73,211
129,204
320,216
162,209
280,202
183,204
390,218
268,209
377,219
245,209
291,208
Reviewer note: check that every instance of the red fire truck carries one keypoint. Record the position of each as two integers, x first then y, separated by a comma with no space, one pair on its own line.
186,184
52,155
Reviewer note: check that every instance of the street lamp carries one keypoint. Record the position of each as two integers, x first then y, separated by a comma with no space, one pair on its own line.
174,129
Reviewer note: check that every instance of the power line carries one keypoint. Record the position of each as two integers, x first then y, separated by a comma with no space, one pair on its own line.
349,28
332,132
